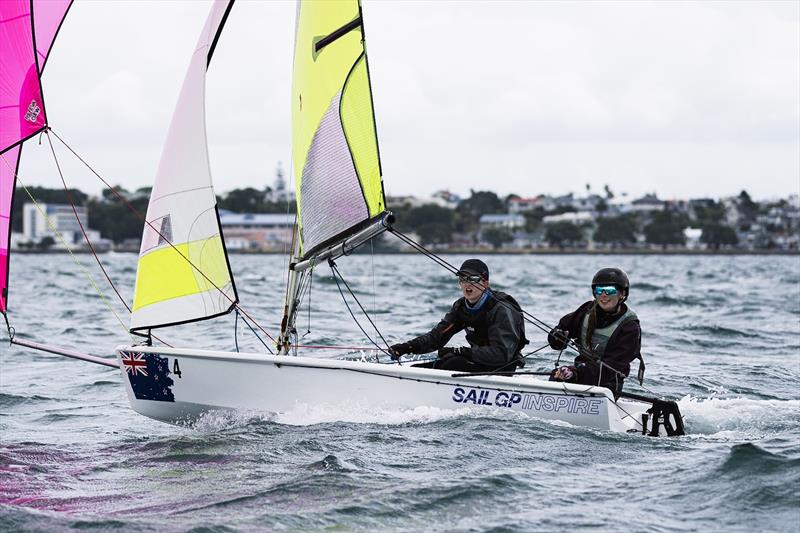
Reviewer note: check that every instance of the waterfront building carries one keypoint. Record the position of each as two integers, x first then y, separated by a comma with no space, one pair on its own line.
262,232
56,225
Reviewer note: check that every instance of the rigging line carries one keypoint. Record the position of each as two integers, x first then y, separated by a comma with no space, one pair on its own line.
536,350
616,402
372,259
290,252
332,347
161,235
335,271
80,223
83,231
334,267
443,263
439,261
540,324
236,330
528,317
11,331
310,287
86,272
257,335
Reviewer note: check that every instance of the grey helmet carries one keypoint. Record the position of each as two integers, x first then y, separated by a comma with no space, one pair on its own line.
612,276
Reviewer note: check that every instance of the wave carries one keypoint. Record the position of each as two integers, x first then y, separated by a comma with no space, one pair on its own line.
735,418
720,331
750,459
345,412
12,400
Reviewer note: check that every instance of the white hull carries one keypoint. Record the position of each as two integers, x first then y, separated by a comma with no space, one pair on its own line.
208,380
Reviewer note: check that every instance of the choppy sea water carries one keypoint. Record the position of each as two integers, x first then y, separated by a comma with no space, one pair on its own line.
721,335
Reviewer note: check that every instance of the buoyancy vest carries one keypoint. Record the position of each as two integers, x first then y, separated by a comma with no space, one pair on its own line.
476,324
597,344
601,336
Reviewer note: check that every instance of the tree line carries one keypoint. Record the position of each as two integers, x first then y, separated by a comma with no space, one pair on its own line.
115,219
121,219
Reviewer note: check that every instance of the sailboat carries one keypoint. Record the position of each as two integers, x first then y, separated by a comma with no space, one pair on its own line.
183,272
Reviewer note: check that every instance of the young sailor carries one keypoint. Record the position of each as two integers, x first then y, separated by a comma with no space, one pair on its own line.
492,319
607,332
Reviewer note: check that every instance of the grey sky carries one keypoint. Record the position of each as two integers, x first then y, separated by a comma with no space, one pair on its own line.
685,99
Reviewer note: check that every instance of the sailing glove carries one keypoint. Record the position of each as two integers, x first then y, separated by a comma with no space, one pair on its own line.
565,373
558,338
398,350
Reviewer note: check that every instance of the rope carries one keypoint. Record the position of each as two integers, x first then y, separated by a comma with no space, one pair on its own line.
310,287
256,334
80,223
540,324
11,330
138,214
236,330
337,273
63,242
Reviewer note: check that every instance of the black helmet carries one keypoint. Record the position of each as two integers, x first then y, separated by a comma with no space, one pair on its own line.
612,276
474,267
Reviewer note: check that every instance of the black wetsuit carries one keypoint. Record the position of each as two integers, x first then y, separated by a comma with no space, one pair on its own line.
622,348
495,332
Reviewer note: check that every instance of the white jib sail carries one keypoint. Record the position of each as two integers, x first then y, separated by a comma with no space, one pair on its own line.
183,273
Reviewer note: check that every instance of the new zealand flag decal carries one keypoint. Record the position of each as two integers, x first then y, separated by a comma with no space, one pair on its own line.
149,376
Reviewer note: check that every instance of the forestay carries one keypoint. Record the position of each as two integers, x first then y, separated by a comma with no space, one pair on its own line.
27,31
334,143
183,272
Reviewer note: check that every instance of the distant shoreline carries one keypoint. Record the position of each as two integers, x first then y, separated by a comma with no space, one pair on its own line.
480,251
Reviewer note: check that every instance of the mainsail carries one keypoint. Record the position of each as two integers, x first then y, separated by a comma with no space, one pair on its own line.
183,272
335,155
27,31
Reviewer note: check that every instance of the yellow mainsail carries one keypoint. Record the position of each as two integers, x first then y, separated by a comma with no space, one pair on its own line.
334,143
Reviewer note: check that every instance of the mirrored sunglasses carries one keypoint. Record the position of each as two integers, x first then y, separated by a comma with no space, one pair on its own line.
610,290
469,279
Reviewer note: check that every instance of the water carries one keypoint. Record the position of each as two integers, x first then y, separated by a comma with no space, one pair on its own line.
721,334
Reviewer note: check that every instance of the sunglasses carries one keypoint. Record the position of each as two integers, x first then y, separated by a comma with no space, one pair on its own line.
469,279
611,291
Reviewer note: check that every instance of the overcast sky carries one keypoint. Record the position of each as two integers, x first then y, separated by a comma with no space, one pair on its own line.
682,99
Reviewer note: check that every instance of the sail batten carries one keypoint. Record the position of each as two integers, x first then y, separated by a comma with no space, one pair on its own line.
183,273
334,142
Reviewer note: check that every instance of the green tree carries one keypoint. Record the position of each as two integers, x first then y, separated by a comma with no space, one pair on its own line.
479,203
251,200
510,197
665,228
497,236
716,235
747,207
433,223
46,243
711,213
616,230
533,219
563,234
111,196
115,219
247,200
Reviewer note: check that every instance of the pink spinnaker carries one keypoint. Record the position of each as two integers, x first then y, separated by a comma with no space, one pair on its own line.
27,31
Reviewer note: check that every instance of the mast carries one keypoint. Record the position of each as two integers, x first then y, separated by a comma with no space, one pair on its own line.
335,156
